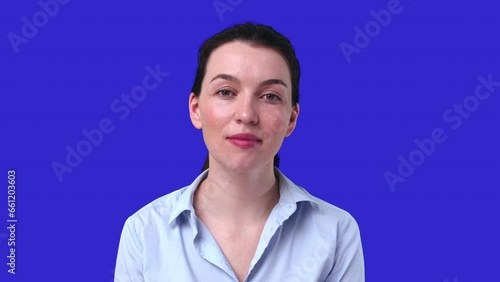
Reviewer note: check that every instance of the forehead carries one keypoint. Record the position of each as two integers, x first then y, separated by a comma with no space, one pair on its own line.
247,62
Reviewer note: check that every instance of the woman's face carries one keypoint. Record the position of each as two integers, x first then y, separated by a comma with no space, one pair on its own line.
245,90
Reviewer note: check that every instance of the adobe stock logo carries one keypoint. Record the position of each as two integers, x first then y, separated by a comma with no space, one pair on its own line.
363,37
221,7
310,264
454,117
29,30
94,137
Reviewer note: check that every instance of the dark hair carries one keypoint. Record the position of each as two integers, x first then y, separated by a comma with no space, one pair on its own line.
257,35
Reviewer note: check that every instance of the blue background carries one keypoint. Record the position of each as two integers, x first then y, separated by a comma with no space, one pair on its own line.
356,118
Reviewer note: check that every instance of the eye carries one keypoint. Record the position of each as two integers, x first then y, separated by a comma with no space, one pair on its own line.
271,97
224,92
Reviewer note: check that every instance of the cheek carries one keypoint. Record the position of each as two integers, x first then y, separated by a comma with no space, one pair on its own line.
214,118
209,116
279,123
209,121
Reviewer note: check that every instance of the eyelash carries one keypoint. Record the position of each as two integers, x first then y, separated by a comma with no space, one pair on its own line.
275,97
226,90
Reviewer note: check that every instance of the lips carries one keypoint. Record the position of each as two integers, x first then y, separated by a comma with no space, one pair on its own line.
244,136
244,140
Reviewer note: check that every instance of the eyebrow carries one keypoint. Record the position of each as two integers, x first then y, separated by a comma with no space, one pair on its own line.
237,81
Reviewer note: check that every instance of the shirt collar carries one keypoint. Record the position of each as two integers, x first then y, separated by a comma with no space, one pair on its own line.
290,194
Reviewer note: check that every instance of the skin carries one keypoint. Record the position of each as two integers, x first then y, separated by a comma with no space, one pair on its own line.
236,198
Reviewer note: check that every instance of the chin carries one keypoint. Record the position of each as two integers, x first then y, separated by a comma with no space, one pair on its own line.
244,165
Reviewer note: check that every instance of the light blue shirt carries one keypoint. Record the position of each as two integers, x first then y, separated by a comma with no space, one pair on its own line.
304,239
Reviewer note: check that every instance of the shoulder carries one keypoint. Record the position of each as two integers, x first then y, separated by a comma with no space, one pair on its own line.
332,210
312,207
327,218
157,211
329,212
160,213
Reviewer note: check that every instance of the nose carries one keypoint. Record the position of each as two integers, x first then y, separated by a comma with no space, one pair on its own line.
246,109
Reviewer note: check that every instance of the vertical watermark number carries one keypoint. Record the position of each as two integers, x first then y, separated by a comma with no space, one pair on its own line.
11,221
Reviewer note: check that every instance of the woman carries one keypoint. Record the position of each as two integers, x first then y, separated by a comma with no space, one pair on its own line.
242,219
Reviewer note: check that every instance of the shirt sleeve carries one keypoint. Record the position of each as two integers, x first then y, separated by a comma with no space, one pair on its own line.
129,259
349,262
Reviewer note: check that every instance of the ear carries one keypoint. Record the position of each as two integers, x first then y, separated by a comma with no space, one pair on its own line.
194,110
293,120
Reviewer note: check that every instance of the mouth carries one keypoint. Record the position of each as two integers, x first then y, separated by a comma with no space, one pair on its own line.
244,140
244,136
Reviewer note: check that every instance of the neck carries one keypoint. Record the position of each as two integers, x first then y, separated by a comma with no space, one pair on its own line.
237,198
